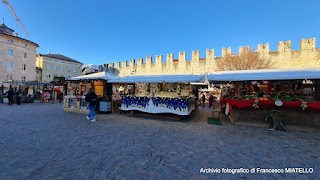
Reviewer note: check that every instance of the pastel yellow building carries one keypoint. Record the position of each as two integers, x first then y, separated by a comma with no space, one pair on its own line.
17,57
57,65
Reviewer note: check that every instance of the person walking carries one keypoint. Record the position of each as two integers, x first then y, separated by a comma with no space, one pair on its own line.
203,98
91,99
18,98
10,94
210,100
60,96
44,97
47,97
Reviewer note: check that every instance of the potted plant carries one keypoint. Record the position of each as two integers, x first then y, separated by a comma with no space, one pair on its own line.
274,120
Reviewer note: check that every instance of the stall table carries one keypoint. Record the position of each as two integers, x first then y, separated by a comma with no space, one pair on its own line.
75,104
294,112
158,105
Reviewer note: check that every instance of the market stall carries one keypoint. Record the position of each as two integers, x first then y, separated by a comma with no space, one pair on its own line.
250,95
156,93
29,91
78,86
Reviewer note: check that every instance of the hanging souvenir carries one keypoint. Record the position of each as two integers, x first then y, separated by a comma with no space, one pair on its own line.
254,82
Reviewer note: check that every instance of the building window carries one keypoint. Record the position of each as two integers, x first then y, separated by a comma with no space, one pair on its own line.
69,70
25,45
48,75
23,79
24,67
55,75
10,41
25,55
9,65
74,69
55,68
10,52
48,66
62,68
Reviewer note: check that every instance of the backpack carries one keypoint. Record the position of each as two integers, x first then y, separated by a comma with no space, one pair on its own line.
87,98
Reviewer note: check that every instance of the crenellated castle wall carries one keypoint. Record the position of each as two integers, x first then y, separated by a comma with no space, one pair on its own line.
306,57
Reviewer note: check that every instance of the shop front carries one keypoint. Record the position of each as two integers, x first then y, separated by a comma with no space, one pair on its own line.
28,91
156,94
77,87
251,95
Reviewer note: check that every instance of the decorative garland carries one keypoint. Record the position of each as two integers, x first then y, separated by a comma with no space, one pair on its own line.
142,102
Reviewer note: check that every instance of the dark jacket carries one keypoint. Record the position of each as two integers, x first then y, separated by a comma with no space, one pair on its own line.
17,94
10,93
211,99
90,96
60,95
203,97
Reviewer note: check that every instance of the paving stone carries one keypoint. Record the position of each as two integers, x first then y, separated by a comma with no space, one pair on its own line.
41,141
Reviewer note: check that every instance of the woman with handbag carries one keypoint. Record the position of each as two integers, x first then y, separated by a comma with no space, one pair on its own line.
91,99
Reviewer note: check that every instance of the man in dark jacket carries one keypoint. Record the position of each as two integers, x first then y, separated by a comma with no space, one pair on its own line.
91,99
10,94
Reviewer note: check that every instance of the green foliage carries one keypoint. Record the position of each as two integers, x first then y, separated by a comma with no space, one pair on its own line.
274,120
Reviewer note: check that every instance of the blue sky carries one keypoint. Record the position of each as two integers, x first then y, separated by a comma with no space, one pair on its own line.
106,31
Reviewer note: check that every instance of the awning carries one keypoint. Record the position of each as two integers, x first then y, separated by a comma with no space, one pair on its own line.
159,79
100,75
266,74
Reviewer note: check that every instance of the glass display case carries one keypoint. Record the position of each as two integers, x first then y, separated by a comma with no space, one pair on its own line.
75,104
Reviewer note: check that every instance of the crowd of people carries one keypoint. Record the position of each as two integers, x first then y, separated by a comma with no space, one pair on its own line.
211,99
11,95
44,96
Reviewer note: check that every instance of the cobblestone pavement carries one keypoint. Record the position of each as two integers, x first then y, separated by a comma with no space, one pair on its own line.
41,141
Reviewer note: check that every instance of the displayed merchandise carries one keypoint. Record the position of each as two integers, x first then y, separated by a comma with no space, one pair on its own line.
175,98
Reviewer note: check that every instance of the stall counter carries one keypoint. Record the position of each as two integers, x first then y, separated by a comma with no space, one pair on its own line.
75,104
300,113
158,105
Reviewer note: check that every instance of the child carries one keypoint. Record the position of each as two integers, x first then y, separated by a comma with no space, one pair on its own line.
47,96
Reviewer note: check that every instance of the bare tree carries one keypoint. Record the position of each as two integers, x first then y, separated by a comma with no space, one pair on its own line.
247,60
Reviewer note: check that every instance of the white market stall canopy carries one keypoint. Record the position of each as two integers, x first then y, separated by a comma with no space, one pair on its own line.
100,75
185,78
265,74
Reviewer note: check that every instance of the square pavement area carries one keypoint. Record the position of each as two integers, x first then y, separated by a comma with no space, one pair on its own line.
41,141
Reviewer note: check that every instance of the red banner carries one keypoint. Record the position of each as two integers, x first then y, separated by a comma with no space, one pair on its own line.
270,103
